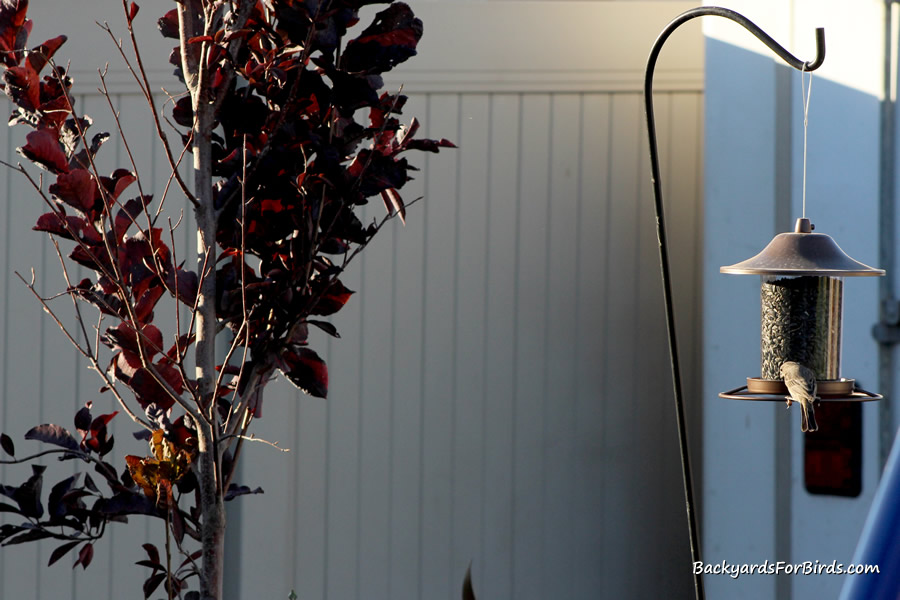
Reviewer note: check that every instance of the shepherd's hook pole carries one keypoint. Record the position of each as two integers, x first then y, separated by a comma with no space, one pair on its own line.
661,232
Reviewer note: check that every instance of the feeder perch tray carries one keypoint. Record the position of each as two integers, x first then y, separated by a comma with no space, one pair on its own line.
835,390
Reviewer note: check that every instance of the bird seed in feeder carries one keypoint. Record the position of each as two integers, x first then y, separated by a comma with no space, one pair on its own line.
801,322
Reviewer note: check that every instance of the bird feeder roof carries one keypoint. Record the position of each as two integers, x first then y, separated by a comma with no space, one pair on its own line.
802,253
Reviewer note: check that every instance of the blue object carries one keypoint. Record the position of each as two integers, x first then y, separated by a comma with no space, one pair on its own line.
879,543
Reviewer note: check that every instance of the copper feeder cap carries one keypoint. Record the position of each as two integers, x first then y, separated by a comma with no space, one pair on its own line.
802,253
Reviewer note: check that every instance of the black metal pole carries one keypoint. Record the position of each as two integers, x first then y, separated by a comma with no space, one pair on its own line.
661,230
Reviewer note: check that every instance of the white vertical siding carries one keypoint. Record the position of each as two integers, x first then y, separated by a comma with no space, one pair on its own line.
501,390
500,394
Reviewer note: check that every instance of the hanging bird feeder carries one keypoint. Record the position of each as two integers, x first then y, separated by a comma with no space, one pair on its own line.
802,281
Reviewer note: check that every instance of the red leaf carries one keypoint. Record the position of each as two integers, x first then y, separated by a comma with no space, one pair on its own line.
127,364
143,308
187,285
182,112
43,148
90,259
387,103
334,298
14,29
152,582
100,423
199,39
85,555
152,553
133,11
168,24
127,215
306,370
76,188
389,40
40,56
84,231
122,178
24,87
54,110
148,390
124,336
183,342
408,132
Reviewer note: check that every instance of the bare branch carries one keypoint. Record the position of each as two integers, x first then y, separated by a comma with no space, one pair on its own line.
141,77
78,316
65,223
49,311
94,363
253,438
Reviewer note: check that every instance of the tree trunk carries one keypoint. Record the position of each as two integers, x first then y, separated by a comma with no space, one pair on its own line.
211,494
212,505
213,518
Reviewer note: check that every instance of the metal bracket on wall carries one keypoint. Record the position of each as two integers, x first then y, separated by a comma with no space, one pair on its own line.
887,330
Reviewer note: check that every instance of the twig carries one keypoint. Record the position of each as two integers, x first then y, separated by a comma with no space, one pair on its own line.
59,215
81,454
168,550
173,176
179,356
78,316
253,438
16,461
245,323
94,363
144,84
104,91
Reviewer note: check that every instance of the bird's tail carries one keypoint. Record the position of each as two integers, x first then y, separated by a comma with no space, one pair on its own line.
809,418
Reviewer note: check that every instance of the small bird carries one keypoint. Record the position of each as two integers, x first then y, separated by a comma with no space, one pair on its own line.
801,383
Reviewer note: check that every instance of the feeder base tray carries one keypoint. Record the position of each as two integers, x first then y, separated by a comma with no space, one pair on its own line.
843,390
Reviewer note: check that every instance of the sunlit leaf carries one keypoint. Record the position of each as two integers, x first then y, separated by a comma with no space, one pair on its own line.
39,56
43,149
52,434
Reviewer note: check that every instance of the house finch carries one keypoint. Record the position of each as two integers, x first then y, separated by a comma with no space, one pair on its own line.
801,383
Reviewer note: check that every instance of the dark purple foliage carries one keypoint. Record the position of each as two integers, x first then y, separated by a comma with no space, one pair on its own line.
291,165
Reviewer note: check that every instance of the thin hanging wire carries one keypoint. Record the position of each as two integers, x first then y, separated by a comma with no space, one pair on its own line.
805,93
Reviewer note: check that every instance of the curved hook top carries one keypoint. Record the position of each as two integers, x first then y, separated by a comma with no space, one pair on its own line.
820,51
747,24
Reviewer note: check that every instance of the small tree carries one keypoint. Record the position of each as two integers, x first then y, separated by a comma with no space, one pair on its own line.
280,165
